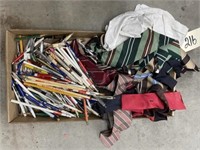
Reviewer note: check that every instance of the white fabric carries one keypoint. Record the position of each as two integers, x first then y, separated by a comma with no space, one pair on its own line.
133,23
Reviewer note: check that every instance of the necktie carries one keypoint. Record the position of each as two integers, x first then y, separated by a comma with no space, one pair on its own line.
99,76
131,50
148,105
171,51
171,63
120,84
139,51
122,121
158,114
134,102
122,118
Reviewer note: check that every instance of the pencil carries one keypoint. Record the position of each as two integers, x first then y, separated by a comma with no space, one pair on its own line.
21,45
56,84
56,90
85,110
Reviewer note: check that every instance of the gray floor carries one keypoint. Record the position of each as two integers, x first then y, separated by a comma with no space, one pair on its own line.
181,132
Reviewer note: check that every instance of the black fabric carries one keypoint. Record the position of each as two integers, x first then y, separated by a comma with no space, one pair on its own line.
163,75
110,105
109,118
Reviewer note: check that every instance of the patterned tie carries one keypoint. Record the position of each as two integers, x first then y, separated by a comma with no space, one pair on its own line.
99,76
141,50
122,121
130,51
171,51
122,118
120,84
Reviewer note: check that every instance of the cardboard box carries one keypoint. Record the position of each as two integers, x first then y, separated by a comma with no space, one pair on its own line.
13,109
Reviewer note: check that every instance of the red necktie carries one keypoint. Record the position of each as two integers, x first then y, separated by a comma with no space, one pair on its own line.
135,102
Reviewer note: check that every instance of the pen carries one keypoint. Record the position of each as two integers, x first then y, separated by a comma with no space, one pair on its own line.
44,76
35,68
43,109
47,105
81,66
21,92
70,68
72,100
72,76
18,99
64,72
43,104
18,58
45,97
18,48
94,112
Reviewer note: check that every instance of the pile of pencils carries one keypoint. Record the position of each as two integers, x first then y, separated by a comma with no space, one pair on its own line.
50,77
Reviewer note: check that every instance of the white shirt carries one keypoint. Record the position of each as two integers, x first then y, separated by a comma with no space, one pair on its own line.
133,23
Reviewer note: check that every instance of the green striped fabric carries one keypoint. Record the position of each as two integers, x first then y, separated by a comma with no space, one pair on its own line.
138,52
170,51
134,49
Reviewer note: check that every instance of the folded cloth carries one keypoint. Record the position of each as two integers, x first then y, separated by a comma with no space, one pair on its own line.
133,23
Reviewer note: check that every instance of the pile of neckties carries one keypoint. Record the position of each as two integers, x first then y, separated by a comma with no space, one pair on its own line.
138,67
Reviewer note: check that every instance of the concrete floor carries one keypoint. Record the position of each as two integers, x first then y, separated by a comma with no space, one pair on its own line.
181,132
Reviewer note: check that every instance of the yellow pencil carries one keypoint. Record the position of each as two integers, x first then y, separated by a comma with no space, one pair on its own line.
61,86
21,45
52,83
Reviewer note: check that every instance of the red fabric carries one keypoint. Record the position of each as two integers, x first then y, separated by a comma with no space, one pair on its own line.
99,77
139,102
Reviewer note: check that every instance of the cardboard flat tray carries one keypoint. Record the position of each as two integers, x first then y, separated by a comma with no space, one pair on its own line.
13,109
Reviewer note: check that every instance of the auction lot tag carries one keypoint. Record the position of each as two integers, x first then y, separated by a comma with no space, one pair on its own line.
192,40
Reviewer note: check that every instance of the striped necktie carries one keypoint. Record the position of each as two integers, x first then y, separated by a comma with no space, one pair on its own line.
120,84
164,53
122,121
130,51
140,50
122,118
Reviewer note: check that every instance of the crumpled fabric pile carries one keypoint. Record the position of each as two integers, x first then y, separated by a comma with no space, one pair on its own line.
137,60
